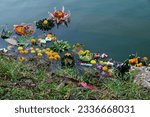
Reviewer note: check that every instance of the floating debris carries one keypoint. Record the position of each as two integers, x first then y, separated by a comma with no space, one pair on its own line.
11,41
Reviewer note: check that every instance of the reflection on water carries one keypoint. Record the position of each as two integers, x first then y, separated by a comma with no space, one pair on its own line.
117,27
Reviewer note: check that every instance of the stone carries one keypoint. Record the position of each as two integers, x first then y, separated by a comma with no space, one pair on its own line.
143,76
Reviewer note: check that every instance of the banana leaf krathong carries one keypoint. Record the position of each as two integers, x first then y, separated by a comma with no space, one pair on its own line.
45,24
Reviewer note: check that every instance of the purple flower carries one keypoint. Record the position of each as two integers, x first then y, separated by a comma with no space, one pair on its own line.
99,67
103,73
14,36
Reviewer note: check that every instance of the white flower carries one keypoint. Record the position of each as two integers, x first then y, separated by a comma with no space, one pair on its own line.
48,39
110,63
43,41
3,50
104,55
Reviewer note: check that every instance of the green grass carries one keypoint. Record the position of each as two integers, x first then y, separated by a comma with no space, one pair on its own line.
27,81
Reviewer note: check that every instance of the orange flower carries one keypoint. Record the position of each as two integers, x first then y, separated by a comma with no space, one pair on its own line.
133,61
25,51
49,35
51,57
49,53
53,38
81,51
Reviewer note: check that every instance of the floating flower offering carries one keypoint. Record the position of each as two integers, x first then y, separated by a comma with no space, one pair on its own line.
45,24
24,29
60,16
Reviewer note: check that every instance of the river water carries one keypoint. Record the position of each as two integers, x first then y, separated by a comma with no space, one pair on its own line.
117,27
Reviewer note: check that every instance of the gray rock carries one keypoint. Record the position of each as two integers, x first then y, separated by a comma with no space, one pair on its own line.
143,76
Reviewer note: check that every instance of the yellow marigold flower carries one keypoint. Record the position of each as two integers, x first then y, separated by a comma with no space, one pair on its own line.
49,35
31,48
133,61
101,62
21,51
49,53
93,61
130,61
48,49
139,65
45,22
104,63
105,68
55,53
25,51
87,51
20,48
57,56
53,38
33,41
39,39
145,58
40,54
21,59
51,57
81,51
67,54
37,49
33,51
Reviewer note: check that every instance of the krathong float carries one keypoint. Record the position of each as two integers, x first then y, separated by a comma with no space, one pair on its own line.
24,29
60,16
45,24
85,56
